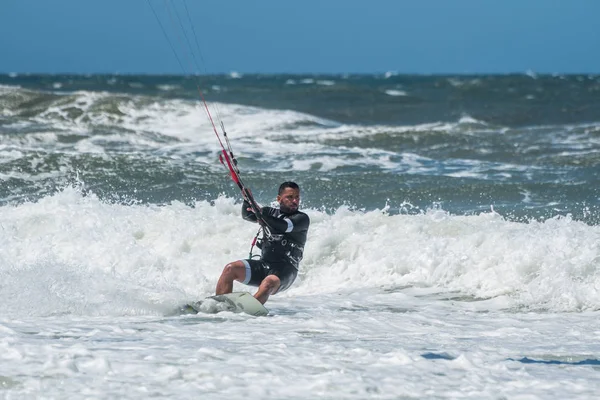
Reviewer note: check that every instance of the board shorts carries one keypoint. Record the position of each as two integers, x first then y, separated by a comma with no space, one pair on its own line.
257,270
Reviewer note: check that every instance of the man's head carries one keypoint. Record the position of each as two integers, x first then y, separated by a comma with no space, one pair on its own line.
288,197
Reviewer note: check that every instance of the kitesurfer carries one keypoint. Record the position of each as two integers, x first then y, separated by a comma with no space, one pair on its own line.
282,247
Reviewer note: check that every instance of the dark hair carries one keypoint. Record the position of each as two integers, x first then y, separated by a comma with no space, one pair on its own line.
288,184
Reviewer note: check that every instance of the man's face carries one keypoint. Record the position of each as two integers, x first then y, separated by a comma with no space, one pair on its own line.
289,200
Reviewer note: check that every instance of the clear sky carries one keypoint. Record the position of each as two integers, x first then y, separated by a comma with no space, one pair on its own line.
308,36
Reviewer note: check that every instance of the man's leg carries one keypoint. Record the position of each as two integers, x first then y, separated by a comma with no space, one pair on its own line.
233,271
267,287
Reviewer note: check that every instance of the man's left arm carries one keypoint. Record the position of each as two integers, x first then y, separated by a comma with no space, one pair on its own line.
298,222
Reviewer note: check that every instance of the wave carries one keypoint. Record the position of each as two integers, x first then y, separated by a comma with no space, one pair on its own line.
73,253
103,122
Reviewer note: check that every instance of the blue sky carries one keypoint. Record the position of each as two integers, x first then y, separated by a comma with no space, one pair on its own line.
309,36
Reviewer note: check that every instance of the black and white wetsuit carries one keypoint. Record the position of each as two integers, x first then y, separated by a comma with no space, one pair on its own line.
282,252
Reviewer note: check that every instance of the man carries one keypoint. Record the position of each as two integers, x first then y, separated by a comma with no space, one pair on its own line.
282,249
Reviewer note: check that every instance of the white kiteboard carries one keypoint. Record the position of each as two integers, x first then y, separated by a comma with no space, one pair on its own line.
234,302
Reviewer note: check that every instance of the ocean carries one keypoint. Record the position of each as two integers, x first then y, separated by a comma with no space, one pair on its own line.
453,252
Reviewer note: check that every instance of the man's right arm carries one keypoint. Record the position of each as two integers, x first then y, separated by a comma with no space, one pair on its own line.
247,212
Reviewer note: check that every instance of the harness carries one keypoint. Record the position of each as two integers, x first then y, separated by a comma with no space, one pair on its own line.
292,250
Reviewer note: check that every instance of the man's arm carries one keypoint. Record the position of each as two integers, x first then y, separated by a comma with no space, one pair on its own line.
294,223
247,212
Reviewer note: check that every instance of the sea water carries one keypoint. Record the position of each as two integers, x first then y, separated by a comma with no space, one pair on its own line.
453,252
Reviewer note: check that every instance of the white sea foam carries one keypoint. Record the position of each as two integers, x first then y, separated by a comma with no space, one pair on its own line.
167,253
467,119
325,82
395,92
530,73
384,306
168,88
460,82
9,88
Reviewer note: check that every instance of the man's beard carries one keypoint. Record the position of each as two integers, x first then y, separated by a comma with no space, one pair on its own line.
287,210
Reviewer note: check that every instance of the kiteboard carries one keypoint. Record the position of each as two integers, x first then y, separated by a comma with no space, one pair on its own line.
235,302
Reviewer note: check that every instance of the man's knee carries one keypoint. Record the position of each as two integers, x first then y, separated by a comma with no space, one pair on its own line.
271,283
235,270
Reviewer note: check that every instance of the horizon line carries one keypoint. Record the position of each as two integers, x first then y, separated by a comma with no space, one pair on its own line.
240,74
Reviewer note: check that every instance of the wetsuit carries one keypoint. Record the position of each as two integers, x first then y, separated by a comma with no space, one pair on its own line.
282,252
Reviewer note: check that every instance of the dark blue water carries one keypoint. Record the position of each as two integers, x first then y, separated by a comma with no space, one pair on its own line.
526,146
